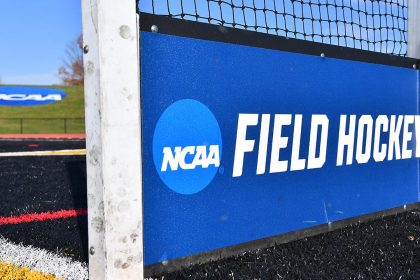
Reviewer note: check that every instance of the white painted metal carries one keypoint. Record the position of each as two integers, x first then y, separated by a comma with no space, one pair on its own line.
413,28
113,132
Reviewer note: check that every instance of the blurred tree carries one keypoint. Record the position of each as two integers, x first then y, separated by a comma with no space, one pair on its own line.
71,73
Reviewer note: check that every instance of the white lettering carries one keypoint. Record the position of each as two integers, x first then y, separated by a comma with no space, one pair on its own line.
394,138
346,140
365,123
279,142
178,158
263,146
407,135
323,122
29,97
296,163
380,125
242,144
417,130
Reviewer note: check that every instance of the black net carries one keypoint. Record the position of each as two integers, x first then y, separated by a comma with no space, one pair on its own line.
374,25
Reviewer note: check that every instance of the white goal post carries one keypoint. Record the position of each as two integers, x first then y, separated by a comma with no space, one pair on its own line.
413,48
113,134
113,139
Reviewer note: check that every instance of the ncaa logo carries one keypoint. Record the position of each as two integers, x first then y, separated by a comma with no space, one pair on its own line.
187,146
29,96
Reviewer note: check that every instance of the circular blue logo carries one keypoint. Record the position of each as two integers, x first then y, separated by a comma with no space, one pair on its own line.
187,146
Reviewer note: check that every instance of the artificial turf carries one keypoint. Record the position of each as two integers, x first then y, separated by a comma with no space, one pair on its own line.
386,248
12,272
41,184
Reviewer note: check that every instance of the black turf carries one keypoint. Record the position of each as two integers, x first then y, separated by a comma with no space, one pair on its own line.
38,184
67,237
387,248
39,145
41,184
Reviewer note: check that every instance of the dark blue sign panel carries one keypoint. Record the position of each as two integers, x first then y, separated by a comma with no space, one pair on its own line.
242,143
29,96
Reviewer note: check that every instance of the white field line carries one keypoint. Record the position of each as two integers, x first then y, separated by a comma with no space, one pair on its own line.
42,261
75,152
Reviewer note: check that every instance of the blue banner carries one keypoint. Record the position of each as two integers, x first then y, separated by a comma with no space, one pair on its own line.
242,143
29,96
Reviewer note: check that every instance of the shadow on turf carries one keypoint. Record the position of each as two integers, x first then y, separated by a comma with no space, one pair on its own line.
76,171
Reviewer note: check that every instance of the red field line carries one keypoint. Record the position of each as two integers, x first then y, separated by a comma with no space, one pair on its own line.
44,216
42,136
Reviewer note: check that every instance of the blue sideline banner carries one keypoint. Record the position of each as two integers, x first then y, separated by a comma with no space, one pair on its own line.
29,96
242,143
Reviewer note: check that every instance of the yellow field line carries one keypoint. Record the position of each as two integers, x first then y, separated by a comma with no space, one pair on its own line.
76,152
40,260
12,272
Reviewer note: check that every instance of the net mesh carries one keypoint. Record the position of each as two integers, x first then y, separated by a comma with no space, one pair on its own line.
374,25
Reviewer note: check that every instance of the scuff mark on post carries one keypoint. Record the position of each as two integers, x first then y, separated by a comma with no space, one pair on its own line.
98,224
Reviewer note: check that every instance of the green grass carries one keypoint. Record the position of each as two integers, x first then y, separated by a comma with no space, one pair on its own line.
48,118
